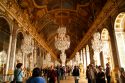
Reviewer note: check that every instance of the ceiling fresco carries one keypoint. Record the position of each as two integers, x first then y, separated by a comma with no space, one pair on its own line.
76,15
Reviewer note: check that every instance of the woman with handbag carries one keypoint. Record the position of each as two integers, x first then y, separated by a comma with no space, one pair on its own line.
18,74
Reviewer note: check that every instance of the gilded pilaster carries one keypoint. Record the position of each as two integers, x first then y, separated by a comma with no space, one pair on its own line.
13,47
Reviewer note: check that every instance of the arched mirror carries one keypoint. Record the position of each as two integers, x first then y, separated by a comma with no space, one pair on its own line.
4,44
19,54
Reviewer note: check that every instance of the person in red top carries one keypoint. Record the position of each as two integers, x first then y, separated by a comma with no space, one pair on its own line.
52,75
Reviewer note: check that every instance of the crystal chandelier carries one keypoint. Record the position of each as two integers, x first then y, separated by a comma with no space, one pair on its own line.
97,47
62,41
27,44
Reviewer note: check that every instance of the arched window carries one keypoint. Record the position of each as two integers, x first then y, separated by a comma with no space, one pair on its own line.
106,47
87,55
84,59
120,37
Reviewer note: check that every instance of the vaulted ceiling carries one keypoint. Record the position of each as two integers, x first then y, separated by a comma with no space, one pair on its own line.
76,15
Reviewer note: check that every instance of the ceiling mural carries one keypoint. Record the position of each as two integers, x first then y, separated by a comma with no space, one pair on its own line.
76,15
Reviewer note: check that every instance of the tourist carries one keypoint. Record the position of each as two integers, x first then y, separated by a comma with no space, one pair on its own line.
18,74
36,77
88,74
75,73
108,71
100,76
51,75
122,76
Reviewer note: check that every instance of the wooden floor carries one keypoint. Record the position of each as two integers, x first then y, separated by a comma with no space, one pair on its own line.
70,79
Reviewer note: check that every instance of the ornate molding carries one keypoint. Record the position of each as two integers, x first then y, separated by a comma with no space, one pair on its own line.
107,10
12,9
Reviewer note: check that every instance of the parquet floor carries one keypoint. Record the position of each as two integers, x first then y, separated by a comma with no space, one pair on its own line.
70,79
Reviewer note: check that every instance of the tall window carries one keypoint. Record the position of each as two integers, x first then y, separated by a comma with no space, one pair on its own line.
106,50
84,58
87,55
120,37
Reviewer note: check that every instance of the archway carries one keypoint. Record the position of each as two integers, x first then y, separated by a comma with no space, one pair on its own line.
4,45
120,37
106,48
19,54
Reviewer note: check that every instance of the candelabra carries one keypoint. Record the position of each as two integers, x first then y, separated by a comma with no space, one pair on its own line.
97,47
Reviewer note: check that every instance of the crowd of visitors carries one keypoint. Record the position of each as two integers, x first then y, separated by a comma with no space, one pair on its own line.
94,74
56,73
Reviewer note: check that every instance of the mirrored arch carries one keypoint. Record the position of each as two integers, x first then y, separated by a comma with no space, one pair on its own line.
119,27
106,48
4,44
19,54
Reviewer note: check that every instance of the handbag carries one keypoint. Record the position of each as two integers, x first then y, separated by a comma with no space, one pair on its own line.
77,77
14,79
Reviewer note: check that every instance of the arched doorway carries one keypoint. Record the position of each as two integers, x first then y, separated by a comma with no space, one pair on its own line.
120,37
4,45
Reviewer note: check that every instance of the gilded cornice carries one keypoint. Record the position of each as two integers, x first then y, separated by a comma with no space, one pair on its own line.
97,24
13,10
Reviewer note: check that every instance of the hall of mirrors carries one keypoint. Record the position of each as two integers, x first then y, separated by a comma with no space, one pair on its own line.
21,44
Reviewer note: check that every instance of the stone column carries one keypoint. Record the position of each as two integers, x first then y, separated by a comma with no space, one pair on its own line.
81,57
115,55
12,54
8,57
11,51
84,57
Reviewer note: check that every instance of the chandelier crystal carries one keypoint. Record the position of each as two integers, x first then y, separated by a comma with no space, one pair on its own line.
97,47
62,41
